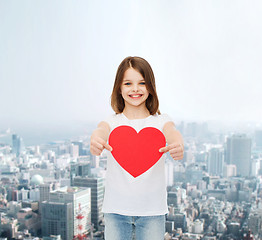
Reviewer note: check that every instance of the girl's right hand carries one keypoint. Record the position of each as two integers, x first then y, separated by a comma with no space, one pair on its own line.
97,145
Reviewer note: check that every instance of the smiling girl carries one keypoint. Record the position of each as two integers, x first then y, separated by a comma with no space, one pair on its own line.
135,207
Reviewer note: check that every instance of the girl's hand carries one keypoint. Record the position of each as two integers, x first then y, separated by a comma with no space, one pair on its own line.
97,145
176,150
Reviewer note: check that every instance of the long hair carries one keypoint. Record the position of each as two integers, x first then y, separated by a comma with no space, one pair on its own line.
144,68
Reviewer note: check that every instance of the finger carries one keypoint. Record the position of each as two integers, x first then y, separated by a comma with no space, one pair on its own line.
95,151
175,150
169,147
165,149
97,145
101,141
177,156
108,147
101,144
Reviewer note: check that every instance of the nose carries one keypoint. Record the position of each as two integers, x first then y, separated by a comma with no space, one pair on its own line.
135,87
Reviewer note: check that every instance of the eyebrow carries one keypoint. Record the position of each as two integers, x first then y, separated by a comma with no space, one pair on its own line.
126,80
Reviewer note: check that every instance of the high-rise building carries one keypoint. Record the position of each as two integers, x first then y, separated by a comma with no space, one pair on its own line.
17,145
97,195
169,168
57,218
174,198
255,221
74,150
179,220
255,166
258,138
239,153
44,190
215,161
75,196
79,169
80,147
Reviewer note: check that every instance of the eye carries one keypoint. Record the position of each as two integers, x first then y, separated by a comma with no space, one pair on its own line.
127,83
143,83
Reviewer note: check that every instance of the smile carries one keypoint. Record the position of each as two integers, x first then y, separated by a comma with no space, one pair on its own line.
135,95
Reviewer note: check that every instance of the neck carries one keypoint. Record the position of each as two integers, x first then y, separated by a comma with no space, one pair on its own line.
136,112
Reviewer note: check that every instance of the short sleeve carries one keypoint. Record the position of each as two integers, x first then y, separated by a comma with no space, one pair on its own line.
165,119
110,120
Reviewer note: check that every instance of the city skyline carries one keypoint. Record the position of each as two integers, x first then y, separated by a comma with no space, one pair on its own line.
59,60
214,193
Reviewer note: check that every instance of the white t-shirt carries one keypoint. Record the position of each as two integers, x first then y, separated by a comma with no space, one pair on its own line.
144,195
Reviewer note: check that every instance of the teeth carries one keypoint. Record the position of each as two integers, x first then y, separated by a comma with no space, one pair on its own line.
135,95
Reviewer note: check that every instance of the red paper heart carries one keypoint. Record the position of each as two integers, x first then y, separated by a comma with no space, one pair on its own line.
136,152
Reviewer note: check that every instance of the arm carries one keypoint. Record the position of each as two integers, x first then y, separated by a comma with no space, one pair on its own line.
174,140
99,137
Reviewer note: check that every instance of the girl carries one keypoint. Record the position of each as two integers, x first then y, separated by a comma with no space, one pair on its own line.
135,205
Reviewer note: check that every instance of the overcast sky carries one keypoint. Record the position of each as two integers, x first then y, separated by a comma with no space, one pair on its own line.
58,59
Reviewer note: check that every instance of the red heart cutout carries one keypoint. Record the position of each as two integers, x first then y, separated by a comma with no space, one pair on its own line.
136,152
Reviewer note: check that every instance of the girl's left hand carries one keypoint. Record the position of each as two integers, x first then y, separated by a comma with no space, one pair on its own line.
176,150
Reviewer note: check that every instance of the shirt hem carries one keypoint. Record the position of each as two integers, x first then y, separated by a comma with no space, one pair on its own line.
126,213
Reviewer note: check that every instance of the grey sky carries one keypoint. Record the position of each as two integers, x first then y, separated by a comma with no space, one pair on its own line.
58,58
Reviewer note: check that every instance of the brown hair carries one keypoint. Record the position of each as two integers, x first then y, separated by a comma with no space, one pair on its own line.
143,67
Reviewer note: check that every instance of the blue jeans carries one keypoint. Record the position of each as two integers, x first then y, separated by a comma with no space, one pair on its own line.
121,227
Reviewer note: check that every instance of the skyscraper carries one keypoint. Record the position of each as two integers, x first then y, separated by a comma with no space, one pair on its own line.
82,169
258,138
97,195
17,145
239,153
169,168
215,161
44,191
74,150
57,218
80,147
75,196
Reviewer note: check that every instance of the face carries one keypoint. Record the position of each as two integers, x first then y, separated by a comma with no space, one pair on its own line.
133,88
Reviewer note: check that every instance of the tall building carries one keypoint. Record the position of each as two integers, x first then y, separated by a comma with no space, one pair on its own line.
75,196
258,138
169,168
44,190
97,195
255,221
255,166
17,145
80,147
174,198
239,153
74,150
57,219
215,161
79,169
